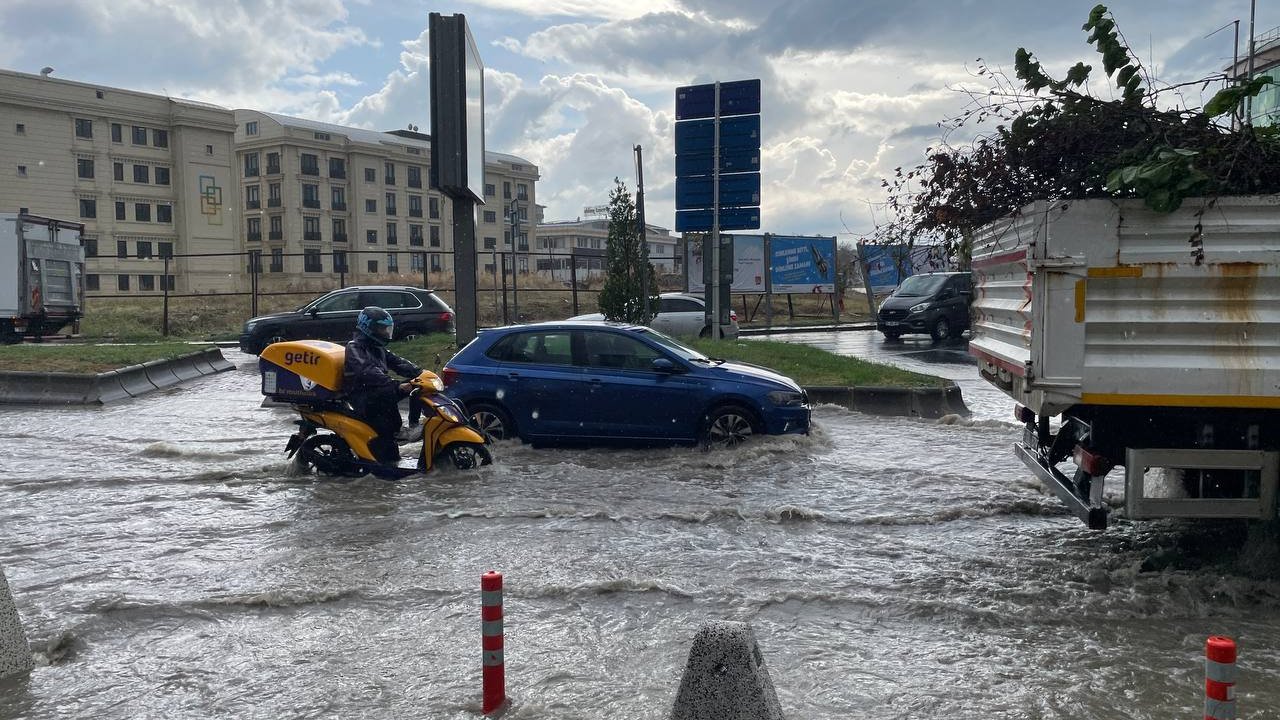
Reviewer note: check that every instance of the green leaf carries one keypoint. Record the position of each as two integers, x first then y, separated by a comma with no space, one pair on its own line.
1078,74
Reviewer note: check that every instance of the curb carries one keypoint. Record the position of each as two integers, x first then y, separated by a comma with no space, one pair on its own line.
926,403
35,388
789,329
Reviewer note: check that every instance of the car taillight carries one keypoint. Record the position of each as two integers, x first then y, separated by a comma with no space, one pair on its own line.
733,316
446,316
448,375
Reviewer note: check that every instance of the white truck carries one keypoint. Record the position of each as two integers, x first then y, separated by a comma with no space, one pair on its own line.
41,275
1154,339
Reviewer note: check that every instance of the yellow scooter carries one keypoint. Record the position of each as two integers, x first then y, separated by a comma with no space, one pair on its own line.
307,374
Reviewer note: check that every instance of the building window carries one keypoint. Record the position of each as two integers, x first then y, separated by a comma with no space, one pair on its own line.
84,128
277,228
435,236
164,213
251,127
311,228
322,136
162,176
273,195
311,261
433,208
122,282
311,196
523,244
253,197
490,216
139,135
160,138
122,249
117,133
370,175
390,173
277,260
371,206
338,198
20,129
141,174
490,243
22,171
391,235
166,283
435,262
523,264
415,176
91,282
166,250
91,247
340,261
254,229
391,203
208,149
371,236
522,191
251,164
84,168
523,213
310,164
415,235
415,206
339,230
147,283
393,262
88,208
373,266
117,171
273,163
142,212
416,261
144,249
337,168
506,190
490,190
120,213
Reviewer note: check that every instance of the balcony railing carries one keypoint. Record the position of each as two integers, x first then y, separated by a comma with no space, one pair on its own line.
273,169
415,212
310,170
313,204
415,240
255,237
311,236
275,235
339,237
391,209
339,206
415,182
253,204
273,202
337,174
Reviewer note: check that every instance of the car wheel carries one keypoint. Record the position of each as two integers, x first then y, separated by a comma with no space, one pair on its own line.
941,329
728,426
273,339
493,421
891,334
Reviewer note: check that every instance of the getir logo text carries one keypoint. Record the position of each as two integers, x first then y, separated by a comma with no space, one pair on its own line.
301,358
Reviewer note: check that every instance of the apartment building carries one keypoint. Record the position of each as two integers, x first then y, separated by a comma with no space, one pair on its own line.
148,175
559,242
325,201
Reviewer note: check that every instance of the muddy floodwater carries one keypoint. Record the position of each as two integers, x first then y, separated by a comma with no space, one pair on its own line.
166,565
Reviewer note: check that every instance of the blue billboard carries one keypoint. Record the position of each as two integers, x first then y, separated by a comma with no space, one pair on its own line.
888,265
802,264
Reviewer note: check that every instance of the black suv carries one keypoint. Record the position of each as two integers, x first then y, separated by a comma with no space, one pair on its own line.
333,316
933,303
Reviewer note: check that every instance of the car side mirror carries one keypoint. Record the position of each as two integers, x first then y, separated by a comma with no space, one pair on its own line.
663,365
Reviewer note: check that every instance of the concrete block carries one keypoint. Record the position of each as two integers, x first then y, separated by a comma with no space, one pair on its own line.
110,389
160,374
725,678
185,368
134,380
884,401
217,360
15,653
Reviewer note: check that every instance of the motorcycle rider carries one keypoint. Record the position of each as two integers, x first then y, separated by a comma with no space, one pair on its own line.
368,383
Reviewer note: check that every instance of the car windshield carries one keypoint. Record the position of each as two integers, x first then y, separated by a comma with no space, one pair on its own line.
673,346
919,285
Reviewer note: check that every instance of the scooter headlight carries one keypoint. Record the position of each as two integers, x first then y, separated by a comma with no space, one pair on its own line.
437,384
449,413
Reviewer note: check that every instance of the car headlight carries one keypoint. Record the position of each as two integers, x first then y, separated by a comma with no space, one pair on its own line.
921,307
786,398
249,326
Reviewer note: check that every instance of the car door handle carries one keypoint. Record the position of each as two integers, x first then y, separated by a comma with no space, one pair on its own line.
513,376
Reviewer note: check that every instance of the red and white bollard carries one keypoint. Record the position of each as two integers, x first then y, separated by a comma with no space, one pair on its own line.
1219,678
494,674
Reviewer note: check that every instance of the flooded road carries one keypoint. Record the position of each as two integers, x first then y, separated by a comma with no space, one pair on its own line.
166,565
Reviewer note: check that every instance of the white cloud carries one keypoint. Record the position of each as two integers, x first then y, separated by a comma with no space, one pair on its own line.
610,9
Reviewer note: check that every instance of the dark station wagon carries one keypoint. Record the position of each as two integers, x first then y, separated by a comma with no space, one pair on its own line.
333,316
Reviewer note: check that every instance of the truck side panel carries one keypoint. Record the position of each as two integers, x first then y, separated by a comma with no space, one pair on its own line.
11,266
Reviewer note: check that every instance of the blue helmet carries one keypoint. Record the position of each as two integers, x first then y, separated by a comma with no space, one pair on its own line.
376,323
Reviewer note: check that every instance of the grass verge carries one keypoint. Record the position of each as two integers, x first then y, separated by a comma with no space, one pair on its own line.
811,366
86,359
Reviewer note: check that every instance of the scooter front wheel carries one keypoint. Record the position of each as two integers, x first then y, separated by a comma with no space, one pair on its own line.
467,455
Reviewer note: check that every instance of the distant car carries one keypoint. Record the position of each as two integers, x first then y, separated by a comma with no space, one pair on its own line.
333,316
591,382
680,314
936,304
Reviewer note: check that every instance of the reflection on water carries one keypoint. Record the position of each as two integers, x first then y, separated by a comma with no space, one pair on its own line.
166,566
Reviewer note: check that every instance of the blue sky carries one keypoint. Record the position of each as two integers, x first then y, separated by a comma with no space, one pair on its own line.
852,89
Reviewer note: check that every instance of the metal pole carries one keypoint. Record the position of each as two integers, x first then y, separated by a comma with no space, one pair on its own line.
164,323
506,317
515,285
1248,103
573,279
495,278
715,221
644,237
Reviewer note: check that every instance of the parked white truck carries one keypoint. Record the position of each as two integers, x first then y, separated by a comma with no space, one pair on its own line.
41,275
1155,338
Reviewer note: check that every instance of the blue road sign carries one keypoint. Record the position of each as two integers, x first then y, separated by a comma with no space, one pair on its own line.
730,219
731,161
741,97
738,132
737,190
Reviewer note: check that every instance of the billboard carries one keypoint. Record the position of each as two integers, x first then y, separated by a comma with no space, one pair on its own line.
802,264
748,264
457,109
888,265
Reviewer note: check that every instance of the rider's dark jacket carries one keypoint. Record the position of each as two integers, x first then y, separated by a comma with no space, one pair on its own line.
366,366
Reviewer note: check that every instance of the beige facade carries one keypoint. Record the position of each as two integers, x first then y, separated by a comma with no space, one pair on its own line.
329,202
557,242
146,174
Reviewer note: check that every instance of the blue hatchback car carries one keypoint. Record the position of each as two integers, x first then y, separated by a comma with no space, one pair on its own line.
592,382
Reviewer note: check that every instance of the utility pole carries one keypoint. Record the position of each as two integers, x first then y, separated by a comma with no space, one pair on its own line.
643,234
1248,103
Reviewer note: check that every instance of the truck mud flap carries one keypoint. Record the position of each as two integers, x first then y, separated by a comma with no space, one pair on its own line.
1094,517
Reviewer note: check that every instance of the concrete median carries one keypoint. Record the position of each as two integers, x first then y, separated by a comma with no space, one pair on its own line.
927,403
36,388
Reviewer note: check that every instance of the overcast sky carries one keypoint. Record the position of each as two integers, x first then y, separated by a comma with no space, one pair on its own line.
852,88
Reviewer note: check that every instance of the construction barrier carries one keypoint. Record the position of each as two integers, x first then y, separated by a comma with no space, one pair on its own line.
36,388
927,403
15,653
726,677
1219,678
494,683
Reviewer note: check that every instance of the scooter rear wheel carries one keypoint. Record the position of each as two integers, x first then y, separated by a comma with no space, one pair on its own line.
466,455
327,455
